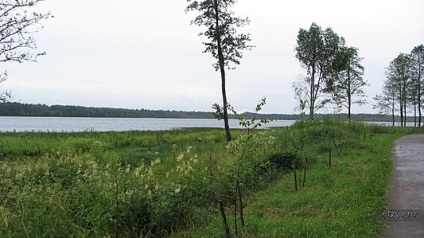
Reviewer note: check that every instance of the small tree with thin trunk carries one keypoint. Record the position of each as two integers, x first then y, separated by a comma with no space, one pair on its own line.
417,64
347,88
17,24
385,102
399,75
224,43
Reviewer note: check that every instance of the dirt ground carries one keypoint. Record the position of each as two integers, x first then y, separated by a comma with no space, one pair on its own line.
405,215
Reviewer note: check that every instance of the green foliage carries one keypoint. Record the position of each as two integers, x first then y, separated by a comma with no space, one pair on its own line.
225,44
20,109
285,161
24,109
402,90
126,184
156,184
316,50
253,122
345,201
347,86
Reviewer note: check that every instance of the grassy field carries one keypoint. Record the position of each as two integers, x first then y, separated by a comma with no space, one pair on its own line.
344,201
168,183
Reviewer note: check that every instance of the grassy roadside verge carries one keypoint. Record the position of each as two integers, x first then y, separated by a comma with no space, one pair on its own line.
344,201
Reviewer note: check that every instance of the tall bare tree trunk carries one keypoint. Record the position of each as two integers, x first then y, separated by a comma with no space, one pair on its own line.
419,96
401,106
312,94
225,103
393,110
349,96
404,112
405,101
222,70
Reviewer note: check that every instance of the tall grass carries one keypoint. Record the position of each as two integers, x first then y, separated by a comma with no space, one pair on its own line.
158,184
127,184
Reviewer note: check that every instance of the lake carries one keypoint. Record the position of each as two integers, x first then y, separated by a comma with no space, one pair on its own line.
78,124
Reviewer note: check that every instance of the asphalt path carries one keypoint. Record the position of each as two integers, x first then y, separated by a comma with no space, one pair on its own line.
405,213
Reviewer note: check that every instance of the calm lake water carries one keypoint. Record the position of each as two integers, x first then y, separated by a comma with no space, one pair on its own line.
78,124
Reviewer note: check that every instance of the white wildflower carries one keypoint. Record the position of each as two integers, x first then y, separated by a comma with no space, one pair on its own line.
157,161
178,189
137,171
180,157
150,172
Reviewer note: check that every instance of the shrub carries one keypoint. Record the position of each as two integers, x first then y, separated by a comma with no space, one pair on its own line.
286,161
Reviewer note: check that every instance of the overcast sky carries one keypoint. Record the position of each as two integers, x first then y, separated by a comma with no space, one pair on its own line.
145,54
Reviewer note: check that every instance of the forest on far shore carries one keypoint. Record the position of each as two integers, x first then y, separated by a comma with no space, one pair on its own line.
42,110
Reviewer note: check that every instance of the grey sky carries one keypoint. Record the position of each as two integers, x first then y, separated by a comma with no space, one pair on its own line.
145,54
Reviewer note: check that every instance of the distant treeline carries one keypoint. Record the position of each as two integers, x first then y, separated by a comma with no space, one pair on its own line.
42,110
